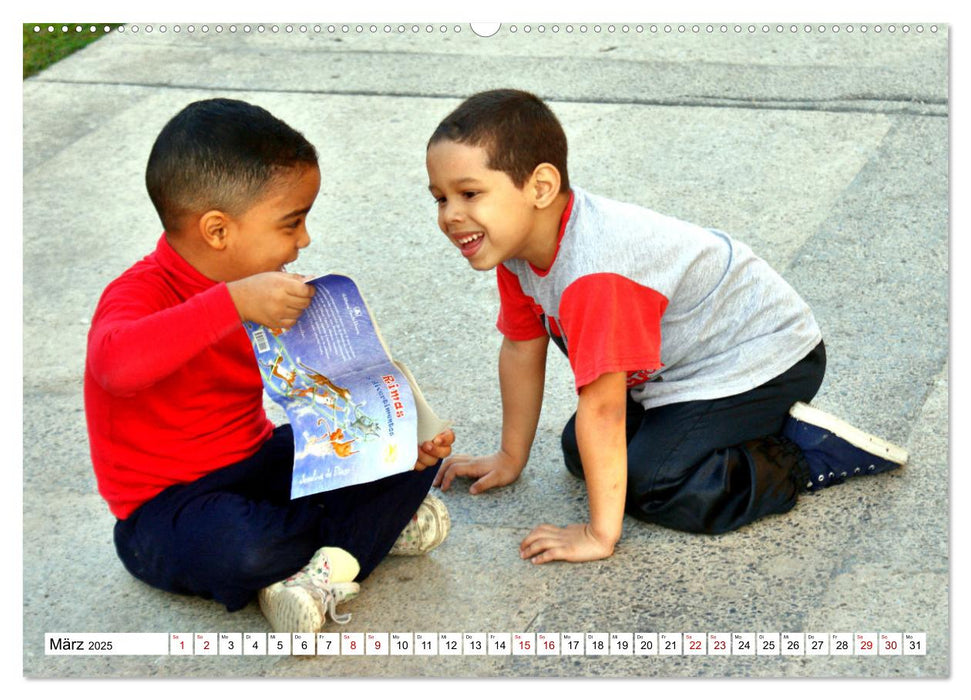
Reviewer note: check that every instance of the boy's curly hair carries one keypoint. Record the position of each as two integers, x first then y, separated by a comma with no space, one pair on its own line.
516,128
219,154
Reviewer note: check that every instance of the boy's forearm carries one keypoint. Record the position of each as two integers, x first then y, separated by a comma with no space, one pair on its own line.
602,439
522,377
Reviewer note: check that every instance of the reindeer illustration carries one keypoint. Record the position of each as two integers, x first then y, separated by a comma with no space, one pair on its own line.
339,446
322,381
287,377
342,448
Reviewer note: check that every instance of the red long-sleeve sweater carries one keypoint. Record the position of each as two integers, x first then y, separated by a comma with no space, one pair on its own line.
171,386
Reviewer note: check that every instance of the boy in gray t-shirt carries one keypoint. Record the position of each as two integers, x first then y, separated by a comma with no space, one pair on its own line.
693,359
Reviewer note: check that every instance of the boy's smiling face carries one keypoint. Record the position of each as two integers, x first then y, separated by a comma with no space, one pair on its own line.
273,231
481,210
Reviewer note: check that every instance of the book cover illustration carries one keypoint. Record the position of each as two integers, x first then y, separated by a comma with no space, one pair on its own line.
351,407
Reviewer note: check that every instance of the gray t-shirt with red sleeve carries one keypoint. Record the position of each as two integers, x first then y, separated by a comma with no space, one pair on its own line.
687,312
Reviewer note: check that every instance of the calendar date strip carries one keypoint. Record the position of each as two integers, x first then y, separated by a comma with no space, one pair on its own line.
488,644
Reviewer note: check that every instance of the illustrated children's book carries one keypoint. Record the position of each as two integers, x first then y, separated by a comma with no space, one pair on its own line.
357,415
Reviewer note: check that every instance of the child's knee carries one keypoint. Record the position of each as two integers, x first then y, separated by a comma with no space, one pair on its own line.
255,563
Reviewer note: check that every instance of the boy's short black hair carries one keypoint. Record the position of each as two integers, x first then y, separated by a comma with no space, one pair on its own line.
219,154
516,128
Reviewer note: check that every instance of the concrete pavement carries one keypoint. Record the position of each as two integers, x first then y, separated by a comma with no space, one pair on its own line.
826,151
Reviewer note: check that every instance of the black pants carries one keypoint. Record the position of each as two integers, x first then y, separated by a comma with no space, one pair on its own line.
714,466
235,530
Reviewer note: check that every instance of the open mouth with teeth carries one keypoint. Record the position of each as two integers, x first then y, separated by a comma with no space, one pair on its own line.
469,243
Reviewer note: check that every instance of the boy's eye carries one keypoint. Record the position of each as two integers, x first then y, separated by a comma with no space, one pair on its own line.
294,224
469,194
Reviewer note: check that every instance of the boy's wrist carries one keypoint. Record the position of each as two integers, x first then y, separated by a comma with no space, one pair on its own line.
515,459
237,294
607,520
608,536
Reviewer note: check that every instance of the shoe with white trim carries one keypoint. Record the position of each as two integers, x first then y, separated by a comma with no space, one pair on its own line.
835,450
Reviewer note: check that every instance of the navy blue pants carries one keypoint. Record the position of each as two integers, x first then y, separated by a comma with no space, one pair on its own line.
714,466
235,530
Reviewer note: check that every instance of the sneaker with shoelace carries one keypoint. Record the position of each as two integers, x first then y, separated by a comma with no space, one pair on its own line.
835,450
427,529
301,602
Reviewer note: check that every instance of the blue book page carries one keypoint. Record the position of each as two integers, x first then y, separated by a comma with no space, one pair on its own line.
352,410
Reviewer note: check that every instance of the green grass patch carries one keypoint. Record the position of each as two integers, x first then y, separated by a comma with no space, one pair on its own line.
42,47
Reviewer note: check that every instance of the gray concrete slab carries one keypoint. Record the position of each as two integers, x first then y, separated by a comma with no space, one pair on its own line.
828,153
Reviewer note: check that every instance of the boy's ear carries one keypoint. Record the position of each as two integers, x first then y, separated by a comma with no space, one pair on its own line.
544,184
214,228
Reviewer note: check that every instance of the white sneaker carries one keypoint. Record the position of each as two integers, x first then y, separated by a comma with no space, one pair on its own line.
427,529
301,602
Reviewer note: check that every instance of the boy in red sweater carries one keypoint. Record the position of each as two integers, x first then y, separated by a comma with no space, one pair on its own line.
183,452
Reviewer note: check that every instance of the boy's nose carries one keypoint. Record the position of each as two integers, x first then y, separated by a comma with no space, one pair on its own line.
452,212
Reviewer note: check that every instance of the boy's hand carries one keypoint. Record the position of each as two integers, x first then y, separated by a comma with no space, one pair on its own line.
272,299
570,543
435,449
498,469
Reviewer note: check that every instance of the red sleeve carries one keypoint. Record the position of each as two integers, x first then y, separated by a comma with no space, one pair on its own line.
612,324
135,341
518,313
